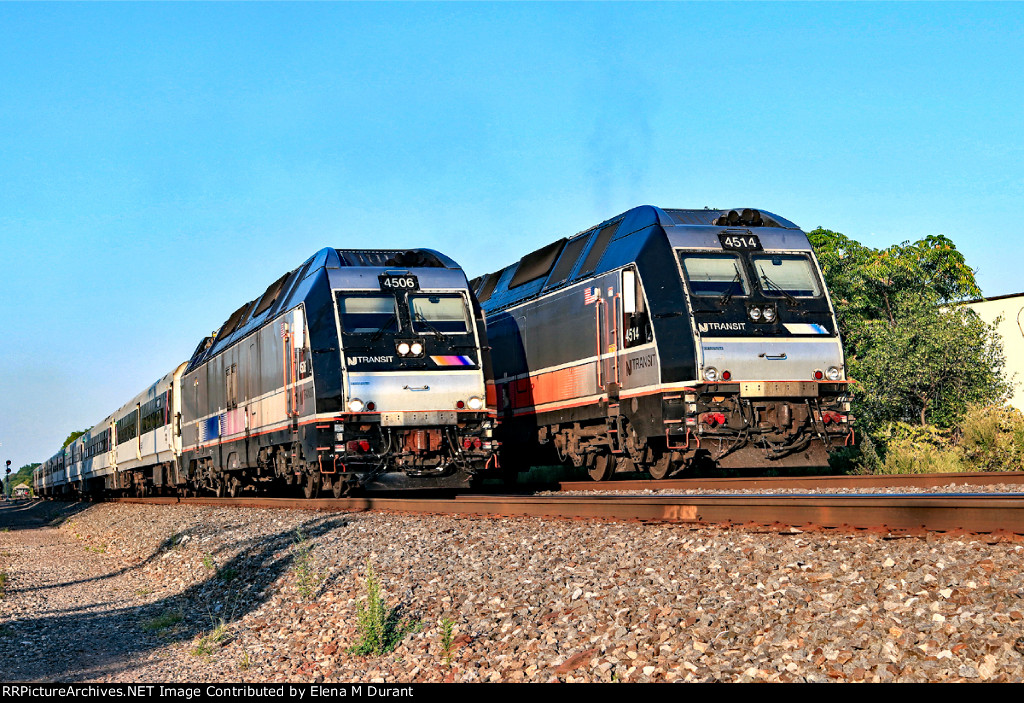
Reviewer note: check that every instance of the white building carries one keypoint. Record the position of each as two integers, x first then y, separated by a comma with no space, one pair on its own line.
1010,308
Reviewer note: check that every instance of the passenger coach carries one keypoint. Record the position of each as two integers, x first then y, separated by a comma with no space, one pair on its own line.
134,451
661,338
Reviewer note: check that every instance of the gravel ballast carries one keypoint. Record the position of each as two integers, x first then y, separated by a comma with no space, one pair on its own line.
952,488
120,592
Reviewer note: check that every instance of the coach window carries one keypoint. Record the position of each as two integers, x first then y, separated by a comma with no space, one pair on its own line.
786,274
368,314
440,313
714,274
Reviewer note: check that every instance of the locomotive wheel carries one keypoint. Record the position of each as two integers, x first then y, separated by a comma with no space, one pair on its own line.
311,487
603,468
221,488
662,467
234,487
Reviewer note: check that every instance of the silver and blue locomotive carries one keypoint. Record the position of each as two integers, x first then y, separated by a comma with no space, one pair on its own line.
662,339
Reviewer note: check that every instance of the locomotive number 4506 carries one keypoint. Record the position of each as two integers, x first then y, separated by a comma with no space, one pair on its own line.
744,242
393,282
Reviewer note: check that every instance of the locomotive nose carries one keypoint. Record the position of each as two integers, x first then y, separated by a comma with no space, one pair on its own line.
398,391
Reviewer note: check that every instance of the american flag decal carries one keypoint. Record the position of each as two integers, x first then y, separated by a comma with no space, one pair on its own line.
284,329
590,295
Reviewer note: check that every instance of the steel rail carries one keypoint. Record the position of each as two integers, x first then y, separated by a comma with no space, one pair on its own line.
803,482
968,513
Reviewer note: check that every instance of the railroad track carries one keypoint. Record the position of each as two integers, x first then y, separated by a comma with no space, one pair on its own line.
994,514
801,482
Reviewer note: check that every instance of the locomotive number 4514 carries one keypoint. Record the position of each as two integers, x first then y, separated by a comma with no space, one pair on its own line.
743,242
393,282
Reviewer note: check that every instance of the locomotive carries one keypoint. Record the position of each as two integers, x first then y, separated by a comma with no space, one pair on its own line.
358,369
663,339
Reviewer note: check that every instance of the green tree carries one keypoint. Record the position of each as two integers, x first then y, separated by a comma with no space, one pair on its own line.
72,437
918,355
927,365
23,474
868,285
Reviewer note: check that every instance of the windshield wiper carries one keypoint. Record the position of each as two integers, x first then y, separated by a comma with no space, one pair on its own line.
775,286
724,300
437,333
379,333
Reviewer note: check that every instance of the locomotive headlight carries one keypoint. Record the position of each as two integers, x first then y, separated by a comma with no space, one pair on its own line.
403,348
832,373
769,314
711,373
755,314
475,403
416,348
355,405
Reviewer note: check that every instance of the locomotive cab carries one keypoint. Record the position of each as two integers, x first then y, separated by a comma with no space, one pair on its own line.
412,371
771,386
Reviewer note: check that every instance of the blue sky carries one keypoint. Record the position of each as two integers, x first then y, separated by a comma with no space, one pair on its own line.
160,164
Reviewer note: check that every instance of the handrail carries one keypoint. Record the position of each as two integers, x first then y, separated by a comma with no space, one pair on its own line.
616,314
600,362
284,365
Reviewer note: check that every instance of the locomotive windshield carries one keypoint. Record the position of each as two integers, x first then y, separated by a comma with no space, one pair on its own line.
438,313
367,314
714,274
711,274
786,274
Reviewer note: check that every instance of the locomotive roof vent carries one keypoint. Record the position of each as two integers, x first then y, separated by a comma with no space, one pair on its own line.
414,258
745,217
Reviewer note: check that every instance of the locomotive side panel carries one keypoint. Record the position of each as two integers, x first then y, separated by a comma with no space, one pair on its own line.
553,356
255,391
